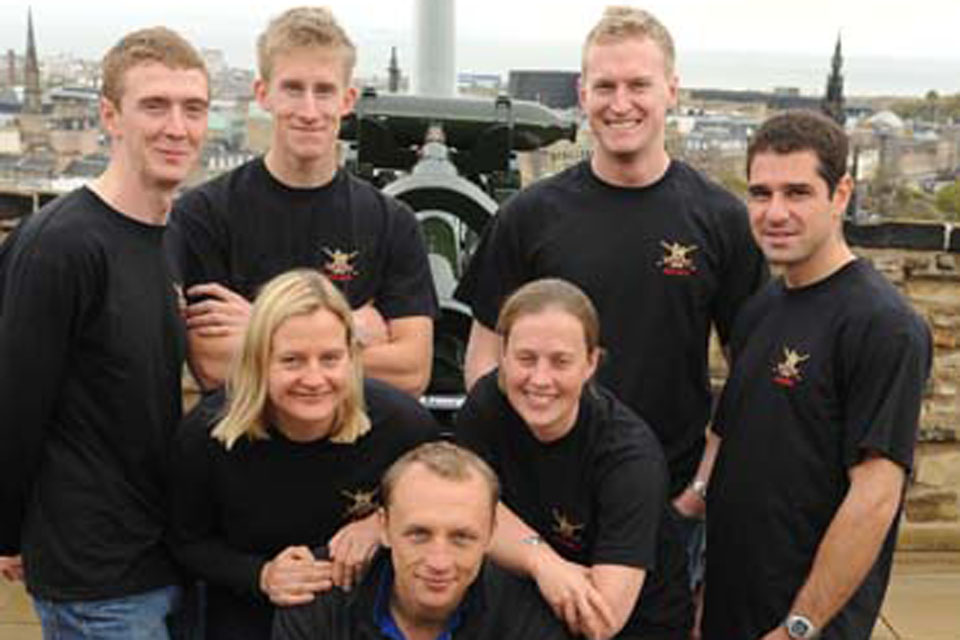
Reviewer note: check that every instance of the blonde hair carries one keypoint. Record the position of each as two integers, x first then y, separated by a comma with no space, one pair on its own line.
295,293
445,460
156,44
621,23
303,28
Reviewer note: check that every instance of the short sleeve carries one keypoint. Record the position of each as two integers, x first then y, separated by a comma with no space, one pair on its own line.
744,271
497,267
631,494
407,289
197,242
477,420
883,389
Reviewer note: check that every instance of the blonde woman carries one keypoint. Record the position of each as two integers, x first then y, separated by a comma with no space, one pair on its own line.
282,469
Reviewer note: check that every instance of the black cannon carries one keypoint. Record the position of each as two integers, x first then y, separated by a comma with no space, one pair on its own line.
453,160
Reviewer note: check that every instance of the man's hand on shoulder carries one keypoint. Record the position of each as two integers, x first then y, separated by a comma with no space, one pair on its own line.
216,320
214,311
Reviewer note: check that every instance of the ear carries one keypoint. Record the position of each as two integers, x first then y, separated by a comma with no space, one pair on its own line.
382,517
593,361
582,91
349,100
260,92
673,89
841,195
109,114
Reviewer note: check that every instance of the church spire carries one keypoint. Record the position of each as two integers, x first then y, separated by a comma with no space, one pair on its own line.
393,72
832,104
33,100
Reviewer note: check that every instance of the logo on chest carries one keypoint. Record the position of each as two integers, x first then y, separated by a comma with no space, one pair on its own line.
787,372
360,504
566,531
677,260
340,264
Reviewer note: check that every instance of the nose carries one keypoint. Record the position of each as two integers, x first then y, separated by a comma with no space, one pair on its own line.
777,210
540,373
312,375
439,559
176,124
620,101
308,107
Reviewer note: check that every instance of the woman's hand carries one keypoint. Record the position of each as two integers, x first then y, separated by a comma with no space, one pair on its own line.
352,549
295,576
567,588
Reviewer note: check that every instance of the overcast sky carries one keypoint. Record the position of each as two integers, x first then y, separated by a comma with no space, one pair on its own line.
532,32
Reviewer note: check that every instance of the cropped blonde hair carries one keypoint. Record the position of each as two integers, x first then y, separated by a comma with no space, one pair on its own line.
304,28
621,23
295,293
156,44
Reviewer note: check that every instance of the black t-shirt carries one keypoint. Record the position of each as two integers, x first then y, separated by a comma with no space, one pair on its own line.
660,263
497,606
91,350
245,227
821,375
235,510
597,496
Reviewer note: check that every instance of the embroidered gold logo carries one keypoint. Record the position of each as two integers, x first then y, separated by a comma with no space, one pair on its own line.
361,504
676,259
340,264
787,372
566,531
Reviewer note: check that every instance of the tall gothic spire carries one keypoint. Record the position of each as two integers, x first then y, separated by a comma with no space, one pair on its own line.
832,103
393,72
33,100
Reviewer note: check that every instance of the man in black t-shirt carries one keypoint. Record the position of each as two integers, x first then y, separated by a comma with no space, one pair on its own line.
819,414
91,351
432,580
662,252
295,208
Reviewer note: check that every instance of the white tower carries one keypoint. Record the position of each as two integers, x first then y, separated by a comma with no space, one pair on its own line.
435,71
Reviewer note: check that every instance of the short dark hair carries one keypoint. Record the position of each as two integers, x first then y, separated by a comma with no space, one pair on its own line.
804,130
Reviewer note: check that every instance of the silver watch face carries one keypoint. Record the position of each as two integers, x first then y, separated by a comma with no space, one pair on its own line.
799,627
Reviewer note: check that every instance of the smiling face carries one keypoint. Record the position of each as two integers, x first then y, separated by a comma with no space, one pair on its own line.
308,94
625,93
158,127
438,530
544,366
309,373
795,220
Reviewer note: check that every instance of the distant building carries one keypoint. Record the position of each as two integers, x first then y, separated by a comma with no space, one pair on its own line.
555,89
479,83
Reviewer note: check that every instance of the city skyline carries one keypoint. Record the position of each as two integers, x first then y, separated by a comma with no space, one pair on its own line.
874,34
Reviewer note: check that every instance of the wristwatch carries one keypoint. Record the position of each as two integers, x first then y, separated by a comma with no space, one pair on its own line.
800,627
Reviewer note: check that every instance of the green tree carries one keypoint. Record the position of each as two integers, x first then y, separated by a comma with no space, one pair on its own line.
948,199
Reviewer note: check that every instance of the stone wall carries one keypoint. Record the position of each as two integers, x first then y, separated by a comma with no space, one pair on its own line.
923,261
931,280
